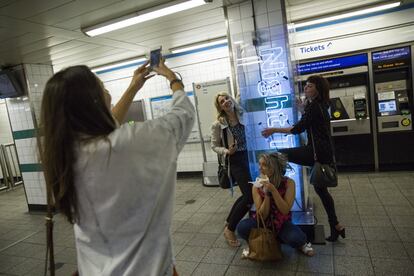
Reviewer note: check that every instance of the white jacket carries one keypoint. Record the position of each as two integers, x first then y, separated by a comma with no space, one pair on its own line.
217,143
125,187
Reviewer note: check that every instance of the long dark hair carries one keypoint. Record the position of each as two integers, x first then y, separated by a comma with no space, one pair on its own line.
322,85
73,107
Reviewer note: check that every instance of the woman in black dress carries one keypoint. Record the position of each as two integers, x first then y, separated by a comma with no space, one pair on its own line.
315,118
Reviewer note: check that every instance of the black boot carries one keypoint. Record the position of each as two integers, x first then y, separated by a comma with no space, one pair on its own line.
335,234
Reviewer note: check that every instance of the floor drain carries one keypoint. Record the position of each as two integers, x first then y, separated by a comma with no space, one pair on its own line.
191,201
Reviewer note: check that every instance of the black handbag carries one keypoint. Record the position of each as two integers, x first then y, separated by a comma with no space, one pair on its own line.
223,173
223,177
323,175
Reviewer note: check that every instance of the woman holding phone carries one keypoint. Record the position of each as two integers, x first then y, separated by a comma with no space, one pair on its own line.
114,183
230,124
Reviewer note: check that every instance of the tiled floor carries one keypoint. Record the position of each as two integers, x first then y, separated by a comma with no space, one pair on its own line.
376,208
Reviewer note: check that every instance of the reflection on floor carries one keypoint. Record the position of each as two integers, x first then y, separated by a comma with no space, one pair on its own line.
376,208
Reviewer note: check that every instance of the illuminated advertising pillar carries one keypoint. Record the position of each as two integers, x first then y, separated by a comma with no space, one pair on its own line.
266,89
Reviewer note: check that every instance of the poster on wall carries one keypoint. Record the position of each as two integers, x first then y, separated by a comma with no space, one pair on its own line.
205,94
161,105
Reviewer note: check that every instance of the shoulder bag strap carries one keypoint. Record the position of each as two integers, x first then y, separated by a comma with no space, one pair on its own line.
313,146
223,142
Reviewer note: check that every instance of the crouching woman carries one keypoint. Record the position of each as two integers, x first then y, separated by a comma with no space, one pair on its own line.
274,200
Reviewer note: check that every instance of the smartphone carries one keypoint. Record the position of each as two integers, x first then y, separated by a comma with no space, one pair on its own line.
155,57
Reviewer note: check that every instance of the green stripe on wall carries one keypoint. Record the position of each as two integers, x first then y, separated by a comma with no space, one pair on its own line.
24,134
36,167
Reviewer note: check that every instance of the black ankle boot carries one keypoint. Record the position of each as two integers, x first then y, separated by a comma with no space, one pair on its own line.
335,234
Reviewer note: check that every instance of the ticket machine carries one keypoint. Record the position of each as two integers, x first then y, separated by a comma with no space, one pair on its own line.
349,108
394,108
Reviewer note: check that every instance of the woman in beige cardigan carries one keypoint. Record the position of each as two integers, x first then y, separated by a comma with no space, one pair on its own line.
229,123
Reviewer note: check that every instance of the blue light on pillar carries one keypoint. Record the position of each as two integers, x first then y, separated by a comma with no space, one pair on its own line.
267,94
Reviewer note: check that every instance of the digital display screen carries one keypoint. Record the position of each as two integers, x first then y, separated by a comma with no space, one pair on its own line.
397,53
387,106
6,86
155,57
332,64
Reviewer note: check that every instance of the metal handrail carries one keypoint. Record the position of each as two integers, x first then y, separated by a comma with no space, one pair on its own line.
4,171
13,173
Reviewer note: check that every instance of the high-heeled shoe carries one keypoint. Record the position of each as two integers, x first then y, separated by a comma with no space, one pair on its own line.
335,234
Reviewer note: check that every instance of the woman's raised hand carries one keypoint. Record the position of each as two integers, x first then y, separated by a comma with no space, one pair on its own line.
140,77
163,70
300,104
268,186
267,132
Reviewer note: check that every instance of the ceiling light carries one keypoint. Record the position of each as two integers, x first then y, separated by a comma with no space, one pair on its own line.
119,65
142,16
348,14
198,45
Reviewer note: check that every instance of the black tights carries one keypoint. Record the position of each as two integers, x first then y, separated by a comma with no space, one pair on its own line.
304,156
239,168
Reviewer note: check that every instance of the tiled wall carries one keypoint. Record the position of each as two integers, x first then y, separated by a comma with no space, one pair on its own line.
24,113
202,66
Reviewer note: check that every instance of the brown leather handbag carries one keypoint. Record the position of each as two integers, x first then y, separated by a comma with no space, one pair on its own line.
263,245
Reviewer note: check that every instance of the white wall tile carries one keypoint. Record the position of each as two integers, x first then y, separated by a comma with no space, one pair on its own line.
246,10
275,18
273,5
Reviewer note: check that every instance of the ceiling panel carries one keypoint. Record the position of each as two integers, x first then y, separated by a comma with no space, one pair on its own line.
6,2
48,31
101,58
69,52
72,9
36,46
45,53
7,33
79,54
97,53
188,37
20,41
301,9
24,9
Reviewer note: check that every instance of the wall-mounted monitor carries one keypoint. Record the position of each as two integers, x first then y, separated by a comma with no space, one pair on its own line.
10,86
387,106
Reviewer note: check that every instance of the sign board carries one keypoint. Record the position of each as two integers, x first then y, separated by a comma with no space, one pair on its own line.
332,64
398,53
162,105
205,93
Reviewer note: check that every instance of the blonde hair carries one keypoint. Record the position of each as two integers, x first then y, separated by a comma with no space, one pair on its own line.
221,114
277,163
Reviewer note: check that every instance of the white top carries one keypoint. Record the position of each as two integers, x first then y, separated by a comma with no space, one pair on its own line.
125,187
